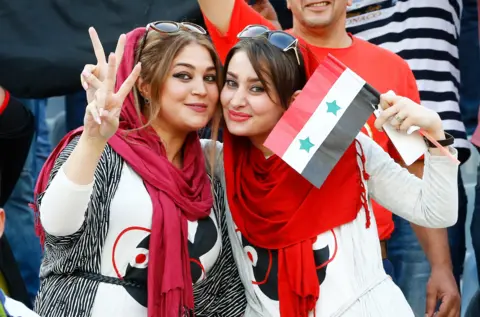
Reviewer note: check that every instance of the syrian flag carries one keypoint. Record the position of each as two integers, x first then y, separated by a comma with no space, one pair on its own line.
323,120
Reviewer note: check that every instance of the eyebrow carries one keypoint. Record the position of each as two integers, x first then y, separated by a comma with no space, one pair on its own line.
250,79
193,67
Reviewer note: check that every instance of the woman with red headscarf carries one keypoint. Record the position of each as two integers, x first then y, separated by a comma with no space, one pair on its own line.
126,208
304,251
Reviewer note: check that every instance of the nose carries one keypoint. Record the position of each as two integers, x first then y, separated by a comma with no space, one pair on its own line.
199,89
238,99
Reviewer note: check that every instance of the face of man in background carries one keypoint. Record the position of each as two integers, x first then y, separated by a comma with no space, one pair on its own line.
317,13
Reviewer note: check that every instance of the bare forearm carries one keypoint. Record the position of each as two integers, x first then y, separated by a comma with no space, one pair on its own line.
434,243
81,165
218,12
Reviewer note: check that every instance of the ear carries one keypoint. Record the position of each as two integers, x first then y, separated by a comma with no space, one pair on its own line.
295,94
143,88
2,221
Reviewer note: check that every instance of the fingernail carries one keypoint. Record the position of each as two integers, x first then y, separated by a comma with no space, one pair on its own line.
85,74
85,85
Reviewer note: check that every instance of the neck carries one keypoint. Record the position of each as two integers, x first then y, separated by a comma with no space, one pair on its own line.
258,141
333,36
173,143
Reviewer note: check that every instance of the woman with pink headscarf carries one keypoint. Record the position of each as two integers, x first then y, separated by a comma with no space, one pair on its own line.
132,223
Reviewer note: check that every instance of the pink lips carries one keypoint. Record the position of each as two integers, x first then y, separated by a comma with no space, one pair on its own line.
238,116
198,107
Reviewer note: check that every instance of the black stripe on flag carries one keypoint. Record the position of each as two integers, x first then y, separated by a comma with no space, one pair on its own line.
342,135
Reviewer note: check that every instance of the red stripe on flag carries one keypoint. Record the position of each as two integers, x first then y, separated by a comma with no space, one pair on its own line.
304,105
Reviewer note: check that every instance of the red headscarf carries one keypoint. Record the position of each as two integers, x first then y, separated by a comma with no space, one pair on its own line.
177,195
274,207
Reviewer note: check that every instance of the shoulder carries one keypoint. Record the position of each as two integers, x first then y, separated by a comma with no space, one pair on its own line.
16,308
208,145
368,145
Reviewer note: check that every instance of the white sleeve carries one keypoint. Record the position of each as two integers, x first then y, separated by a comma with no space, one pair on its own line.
17,308
430,202
208,146
64,204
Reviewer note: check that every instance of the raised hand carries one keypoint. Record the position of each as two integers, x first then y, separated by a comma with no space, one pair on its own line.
100,69
102,114
266,10
402,113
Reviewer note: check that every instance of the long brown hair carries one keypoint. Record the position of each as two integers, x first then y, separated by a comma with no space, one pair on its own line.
157,57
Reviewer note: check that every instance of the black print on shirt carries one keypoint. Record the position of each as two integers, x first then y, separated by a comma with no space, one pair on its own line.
265,267
205,238
137,268
137,271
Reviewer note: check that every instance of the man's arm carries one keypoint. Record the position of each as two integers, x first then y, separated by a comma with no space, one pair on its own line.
218,12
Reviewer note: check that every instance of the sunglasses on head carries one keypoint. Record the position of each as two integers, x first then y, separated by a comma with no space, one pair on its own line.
280,39
170,27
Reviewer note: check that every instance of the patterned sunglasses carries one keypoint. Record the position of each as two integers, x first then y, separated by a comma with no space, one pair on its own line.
170,27
280,39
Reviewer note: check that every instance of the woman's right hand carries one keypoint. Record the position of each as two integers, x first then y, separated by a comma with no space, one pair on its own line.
101,68
103,112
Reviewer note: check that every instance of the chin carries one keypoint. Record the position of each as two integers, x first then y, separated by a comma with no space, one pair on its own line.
237,129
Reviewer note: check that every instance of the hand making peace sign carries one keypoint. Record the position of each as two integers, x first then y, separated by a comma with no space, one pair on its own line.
100,69
103,112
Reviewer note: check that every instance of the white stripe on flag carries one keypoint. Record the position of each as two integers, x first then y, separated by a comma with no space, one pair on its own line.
321,123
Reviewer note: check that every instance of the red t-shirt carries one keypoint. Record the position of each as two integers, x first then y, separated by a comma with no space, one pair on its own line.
382,69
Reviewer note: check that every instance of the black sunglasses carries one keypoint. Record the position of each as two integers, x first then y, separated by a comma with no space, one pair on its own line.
170,27
280,39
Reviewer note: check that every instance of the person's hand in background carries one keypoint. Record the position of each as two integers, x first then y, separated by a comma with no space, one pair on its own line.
265,8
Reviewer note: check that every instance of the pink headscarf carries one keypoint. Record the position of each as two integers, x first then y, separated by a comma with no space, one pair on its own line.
177,196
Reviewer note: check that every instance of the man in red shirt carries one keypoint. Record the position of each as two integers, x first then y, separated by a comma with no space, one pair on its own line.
320,28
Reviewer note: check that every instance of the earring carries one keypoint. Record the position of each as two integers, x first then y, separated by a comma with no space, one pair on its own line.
147,101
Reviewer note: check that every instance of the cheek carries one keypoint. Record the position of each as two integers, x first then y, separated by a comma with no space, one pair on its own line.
263,106
174,91
212,90
225,97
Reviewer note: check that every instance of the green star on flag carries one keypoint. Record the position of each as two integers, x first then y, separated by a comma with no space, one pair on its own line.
306,144
332,107
320,125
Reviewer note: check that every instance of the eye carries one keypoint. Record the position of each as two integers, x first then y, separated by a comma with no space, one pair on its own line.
183,76
257,89
252,254
211,78
231,83
140,260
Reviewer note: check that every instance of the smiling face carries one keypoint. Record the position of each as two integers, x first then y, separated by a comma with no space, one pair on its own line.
247,108
319,14
261,81
179,82
190,93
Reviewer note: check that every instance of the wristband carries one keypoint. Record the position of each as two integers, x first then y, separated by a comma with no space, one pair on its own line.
447,142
